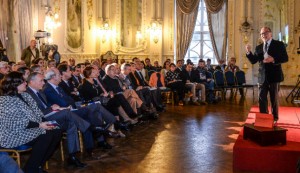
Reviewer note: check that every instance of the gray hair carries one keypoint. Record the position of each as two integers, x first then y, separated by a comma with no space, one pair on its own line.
108,67
32,76
124,66
49,74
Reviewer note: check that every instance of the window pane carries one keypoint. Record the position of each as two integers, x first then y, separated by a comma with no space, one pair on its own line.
194,44
196,37
201,46
194,54
205,28
206,36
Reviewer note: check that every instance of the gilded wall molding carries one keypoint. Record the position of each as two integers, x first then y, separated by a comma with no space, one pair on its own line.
79,57
89,12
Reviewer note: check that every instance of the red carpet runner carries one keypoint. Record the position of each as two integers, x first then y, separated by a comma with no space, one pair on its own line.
249,156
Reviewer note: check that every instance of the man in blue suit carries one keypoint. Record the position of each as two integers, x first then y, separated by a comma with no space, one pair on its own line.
94,113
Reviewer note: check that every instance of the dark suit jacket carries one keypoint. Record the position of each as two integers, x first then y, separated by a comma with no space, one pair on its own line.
75,82
62,99
46,110
68,89
136,80
89,91
273,71
112,84
185,75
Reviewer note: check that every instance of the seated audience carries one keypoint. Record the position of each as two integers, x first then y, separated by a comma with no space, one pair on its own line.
4,69
93,113
234,68
39,61
157,80
157,67
72,63
209,67
102,69
67,120
94,89
8,165
175,83
66,84
138,81
187,75
30,129
76,78
113,85
37,68
203,76
144,71
165,69
231,65
51,63
25,71
143,92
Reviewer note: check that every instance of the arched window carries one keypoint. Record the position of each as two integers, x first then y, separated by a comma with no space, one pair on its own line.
201,46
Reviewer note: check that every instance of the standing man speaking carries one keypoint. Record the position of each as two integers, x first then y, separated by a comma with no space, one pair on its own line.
270,54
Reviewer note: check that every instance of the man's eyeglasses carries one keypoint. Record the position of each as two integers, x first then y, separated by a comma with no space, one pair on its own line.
264,33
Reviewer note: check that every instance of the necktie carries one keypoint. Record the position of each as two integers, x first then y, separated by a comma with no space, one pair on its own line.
42,99
59,91
99,83
140,75
266,47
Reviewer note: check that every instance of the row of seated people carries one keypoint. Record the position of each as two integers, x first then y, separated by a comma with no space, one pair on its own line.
52,95
184,77
124,94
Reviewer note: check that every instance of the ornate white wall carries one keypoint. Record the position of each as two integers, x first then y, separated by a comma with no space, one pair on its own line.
97,12
257,13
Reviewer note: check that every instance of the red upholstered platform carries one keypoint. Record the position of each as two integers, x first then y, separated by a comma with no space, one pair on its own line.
249,156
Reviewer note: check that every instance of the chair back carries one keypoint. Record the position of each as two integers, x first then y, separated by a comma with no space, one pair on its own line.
240,77
219,78
229,76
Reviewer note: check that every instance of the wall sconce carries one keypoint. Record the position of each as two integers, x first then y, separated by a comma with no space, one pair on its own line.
104,32
245,30
51,18
155,31
138,37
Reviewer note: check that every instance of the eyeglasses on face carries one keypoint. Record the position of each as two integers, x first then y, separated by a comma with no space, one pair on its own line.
265,33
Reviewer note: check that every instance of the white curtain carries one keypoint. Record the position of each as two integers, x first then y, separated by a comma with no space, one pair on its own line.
217,21
16,25
186,16
3,21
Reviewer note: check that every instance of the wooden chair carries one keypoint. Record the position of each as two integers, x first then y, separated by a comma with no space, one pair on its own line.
62,144
15,153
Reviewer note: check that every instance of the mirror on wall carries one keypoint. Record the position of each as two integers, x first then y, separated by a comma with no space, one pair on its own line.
130,20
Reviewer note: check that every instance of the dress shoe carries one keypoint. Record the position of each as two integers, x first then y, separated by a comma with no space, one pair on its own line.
41,170
196,103
121,134
92,156
160,109
124,125
73,161
203,102
111,134
154,116
104,145
180,103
